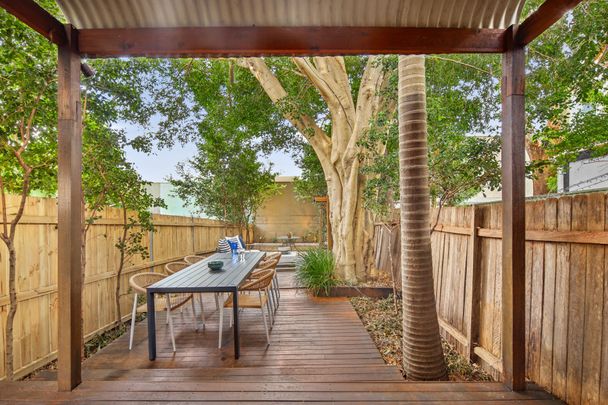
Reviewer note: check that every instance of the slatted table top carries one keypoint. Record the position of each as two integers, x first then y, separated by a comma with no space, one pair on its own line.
199,278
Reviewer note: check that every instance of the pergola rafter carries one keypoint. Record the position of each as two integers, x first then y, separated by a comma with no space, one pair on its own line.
280,40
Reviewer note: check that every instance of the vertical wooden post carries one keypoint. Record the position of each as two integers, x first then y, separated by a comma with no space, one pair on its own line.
70,213
513,214
473,282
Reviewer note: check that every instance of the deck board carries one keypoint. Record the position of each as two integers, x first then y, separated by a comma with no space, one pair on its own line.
319,353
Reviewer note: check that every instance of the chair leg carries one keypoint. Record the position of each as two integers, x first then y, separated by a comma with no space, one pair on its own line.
194,314
270,301
170,322
219,339
269,307
277,288
232,318
275,292
133,315
217,303
200,301
264,318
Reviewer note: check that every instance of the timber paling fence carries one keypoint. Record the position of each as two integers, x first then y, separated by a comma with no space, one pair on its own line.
566,290
35,325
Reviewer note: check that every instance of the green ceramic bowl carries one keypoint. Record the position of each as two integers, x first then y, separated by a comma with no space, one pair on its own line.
215,264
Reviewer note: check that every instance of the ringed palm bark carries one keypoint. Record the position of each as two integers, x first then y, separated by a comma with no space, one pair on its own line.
422,352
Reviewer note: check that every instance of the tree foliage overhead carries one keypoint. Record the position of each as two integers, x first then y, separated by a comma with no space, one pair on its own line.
461,100
230,100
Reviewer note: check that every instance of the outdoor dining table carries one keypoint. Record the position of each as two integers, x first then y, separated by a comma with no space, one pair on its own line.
199,278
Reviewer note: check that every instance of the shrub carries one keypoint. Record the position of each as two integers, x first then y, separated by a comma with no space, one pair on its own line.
315,271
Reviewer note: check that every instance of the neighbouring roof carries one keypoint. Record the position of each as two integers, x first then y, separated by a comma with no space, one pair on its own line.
291,13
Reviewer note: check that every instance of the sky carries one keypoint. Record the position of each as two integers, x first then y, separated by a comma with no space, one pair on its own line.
160,165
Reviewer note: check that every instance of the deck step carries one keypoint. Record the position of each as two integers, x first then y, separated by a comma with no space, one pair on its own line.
380,373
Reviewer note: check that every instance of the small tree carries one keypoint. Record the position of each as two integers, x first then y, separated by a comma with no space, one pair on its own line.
27,141
226,180
128,192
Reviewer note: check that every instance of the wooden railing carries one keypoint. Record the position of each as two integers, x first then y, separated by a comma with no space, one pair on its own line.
35,326
566,290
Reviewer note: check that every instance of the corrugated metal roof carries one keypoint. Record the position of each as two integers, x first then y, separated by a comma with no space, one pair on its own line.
291,13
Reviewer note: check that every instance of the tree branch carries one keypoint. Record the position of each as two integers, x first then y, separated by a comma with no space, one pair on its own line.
339,102
369,101
307,126
4,210
487,72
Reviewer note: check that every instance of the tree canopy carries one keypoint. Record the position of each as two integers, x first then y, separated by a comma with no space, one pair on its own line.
567,89
225,180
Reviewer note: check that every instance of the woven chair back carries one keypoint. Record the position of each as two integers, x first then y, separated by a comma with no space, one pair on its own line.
174,267
191,259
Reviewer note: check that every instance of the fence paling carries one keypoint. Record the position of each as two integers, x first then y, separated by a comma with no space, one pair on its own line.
566,290
36,322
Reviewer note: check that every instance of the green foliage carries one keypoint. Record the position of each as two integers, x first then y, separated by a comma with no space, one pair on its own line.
28,113
225,179
315,271
233,102
129,192
566,89
312,182
461,96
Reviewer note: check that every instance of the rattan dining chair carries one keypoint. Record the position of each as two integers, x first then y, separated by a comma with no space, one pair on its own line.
191,259
163,302
246,300
273,256
174,267
275,289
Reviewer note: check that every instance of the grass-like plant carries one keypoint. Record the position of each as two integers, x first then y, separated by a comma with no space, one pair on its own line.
315,271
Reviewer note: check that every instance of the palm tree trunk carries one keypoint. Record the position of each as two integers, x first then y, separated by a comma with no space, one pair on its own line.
422,352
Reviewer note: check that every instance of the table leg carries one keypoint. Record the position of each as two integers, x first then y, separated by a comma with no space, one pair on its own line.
235,309
151,327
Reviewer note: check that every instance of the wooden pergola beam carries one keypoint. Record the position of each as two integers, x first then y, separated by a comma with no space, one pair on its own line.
513,214
539,21
287,41
31,14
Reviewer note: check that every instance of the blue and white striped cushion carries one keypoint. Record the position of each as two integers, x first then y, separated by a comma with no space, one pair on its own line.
223,246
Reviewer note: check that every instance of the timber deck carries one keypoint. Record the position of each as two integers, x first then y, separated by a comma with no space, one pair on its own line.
319,353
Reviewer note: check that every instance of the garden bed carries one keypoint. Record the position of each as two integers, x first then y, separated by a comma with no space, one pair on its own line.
383,320
354,291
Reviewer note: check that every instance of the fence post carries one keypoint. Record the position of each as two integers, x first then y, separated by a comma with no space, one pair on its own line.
473,282
151,247
192,233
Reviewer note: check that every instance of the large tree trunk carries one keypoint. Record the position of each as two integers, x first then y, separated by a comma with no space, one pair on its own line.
352,226
422,352
536,153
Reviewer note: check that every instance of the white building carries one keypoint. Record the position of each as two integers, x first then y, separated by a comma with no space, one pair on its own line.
584,175
175,205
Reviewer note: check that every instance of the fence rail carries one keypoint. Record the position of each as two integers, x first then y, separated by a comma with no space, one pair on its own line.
566,290
35,326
